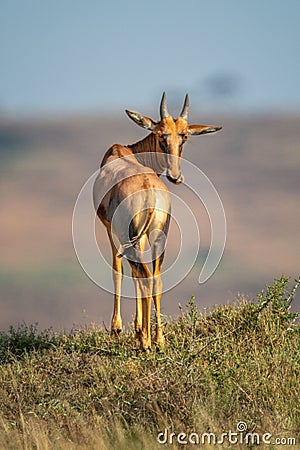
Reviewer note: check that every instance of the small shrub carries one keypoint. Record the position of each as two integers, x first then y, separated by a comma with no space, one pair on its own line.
23,340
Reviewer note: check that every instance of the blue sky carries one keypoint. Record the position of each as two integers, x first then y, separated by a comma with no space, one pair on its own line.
85,56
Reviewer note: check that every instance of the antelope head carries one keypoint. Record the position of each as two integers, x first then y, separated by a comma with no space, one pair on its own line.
172,134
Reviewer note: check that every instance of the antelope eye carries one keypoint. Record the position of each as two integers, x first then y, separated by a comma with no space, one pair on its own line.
165,135
182,135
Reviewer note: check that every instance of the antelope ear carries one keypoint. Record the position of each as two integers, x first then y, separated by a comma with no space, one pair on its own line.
142,121
195,130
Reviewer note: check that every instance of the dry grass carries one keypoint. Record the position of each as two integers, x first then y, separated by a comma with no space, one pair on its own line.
86,390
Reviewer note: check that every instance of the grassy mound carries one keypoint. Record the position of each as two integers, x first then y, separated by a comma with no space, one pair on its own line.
235,369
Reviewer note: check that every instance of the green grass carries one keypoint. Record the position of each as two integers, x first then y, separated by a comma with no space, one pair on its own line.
87,390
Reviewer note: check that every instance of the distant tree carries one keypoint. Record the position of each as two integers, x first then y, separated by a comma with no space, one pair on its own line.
222,85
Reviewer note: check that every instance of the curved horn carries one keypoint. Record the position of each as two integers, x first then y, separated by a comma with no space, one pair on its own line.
163,107
186,108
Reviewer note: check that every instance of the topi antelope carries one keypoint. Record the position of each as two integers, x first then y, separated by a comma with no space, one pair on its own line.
136,207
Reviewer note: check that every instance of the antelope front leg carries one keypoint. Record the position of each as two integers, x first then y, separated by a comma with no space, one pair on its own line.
138,317
116,321
157,288
146,325
157,293
139,304
143,313
144,285
146,288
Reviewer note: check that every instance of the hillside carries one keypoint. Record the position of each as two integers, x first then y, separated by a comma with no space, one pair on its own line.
234,370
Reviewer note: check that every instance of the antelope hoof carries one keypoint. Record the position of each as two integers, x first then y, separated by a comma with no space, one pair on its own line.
116,331
138,334
146,349
159,341
116,326
160,346
146,346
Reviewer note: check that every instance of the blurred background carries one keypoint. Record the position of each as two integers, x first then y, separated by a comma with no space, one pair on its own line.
69,69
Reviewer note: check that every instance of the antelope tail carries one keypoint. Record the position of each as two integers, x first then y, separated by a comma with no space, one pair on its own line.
124,248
